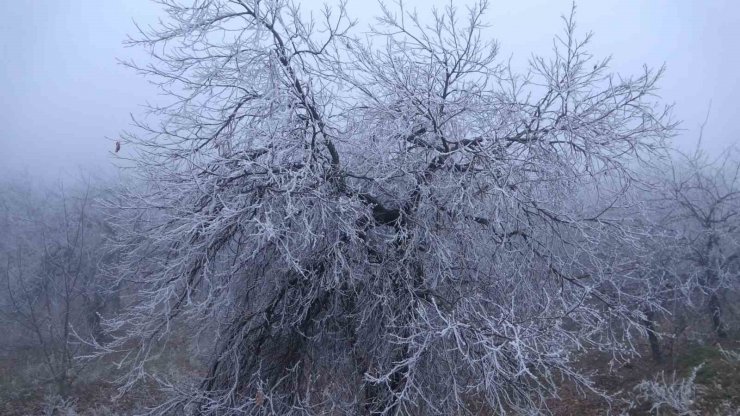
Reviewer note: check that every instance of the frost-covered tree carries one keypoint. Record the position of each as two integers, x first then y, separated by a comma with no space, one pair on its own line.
700,200
390,222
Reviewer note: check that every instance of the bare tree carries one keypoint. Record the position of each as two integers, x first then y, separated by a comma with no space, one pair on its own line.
702,207
389,224
50,252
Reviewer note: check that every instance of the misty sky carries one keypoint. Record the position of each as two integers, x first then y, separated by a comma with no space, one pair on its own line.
63,95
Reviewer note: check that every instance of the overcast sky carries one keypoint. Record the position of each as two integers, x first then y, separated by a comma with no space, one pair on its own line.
62,92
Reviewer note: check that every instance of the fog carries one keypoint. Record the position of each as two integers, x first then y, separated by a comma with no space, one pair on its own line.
64,97
392,225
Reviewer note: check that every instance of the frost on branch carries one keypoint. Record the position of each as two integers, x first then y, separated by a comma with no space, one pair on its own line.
390,223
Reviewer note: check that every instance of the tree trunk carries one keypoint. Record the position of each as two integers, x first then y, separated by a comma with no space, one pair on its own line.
715,309
652,336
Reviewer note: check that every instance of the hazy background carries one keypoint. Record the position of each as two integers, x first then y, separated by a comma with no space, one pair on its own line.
63,96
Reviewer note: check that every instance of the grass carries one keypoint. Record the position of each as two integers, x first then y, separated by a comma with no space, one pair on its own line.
718,380
719,376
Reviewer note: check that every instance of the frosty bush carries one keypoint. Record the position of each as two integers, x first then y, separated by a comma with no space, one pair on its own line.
731,357
677,395
55,405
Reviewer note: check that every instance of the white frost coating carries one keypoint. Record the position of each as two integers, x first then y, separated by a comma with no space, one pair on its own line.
393,223
678,395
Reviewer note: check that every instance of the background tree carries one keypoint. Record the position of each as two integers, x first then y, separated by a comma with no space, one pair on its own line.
50,253
701,202
392,224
